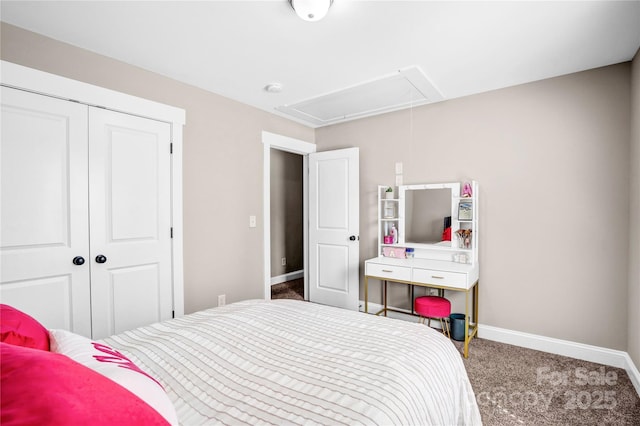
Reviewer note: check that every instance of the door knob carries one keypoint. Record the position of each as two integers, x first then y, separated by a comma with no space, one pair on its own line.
101,258
78,260
352,238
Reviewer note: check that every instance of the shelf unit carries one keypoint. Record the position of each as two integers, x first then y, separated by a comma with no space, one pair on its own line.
462,224
388,209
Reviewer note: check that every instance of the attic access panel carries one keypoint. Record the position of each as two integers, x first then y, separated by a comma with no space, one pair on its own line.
408,87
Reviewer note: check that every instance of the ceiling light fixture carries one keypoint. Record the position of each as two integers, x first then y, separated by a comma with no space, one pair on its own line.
311,10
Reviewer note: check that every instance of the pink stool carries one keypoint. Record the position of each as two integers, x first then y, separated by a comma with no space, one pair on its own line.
435,307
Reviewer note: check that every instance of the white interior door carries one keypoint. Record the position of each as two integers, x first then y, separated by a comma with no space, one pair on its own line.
130,221
334,228
44,219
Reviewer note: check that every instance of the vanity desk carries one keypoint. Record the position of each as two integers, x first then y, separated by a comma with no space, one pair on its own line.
416,221
427,273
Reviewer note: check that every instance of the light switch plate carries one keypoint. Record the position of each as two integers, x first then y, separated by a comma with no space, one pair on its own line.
398,168
252,221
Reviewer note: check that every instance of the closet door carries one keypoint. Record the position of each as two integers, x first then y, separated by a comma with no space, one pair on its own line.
130,221
44,217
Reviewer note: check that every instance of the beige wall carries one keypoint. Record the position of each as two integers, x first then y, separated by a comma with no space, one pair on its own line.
222,159
551,158
286,212
633,336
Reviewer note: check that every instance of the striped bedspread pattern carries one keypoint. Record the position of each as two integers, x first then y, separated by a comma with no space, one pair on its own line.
290,362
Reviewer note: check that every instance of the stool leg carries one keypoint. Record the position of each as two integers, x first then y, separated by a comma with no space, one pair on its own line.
445,327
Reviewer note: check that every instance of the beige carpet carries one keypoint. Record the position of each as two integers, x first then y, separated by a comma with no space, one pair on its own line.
518,386
293,289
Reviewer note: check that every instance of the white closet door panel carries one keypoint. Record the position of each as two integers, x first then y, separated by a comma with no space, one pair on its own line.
130,205
49,300
44,217
128,287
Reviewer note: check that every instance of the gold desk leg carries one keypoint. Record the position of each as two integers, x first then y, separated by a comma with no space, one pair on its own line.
412,298
466,324
366,294
476,303
474,317
385,298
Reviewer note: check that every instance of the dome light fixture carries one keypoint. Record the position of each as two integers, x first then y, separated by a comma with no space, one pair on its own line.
311,10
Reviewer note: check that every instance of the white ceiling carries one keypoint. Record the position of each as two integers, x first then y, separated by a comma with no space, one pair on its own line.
236,48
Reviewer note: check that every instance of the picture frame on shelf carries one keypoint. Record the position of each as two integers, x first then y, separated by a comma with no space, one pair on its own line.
465,210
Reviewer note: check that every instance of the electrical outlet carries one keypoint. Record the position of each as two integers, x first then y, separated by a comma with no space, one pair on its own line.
252,221
222,300
283,261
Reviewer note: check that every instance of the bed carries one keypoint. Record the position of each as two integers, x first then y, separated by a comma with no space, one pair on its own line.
293,362
280,362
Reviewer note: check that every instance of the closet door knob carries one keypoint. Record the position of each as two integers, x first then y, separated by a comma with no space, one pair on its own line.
101,258
352,238
78,260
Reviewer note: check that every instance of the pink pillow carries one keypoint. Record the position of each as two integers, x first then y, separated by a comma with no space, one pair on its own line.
18,328
114,365
45,388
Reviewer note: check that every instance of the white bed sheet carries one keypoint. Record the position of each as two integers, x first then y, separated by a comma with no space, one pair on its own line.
291,362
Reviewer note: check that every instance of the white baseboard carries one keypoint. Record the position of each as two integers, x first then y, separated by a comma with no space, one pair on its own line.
634,374
287,277
611,357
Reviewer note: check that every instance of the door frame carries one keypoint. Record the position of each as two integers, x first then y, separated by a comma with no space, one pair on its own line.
295,146
44,83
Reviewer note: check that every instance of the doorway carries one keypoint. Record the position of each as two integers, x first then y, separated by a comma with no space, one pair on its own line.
287,245
272,142
330,234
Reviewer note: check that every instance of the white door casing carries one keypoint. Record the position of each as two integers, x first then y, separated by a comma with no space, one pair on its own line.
296,146
334,228
130,221
43,181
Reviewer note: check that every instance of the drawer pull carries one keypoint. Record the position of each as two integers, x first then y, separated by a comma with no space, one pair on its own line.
387,270
437,277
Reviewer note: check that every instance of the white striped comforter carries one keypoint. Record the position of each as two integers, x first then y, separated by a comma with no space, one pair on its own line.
291,362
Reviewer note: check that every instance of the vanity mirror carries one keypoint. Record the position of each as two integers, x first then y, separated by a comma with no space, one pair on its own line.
426,211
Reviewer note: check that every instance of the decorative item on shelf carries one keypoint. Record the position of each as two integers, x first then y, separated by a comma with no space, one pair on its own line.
409,253
394,234
388,239
397,252
388,194
389,209
465,210
467,190
464,238
460,258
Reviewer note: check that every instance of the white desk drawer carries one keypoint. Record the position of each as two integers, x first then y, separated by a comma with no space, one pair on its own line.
443,278
389,272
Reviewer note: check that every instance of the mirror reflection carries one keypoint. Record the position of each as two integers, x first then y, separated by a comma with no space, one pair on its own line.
427,215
